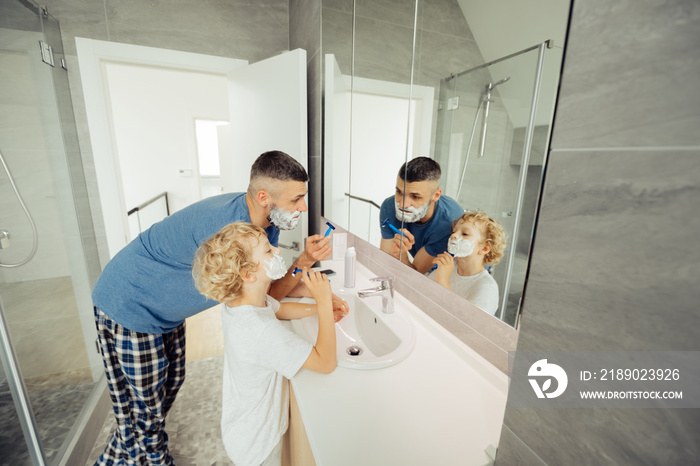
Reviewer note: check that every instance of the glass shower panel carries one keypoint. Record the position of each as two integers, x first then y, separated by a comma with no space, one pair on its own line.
483,117
47,304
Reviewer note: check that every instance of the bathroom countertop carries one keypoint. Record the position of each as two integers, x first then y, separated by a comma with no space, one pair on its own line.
443,404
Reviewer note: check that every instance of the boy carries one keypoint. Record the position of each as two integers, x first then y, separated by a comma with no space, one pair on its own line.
236,267
476,240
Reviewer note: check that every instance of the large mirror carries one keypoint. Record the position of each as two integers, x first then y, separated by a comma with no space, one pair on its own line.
470,85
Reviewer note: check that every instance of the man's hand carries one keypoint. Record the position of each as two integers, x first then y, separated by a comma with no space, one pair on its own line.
405,241
391,246
317,248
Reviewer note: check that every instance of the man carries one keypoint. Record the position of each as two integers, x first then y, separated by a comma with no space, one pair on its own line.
146,292
426,215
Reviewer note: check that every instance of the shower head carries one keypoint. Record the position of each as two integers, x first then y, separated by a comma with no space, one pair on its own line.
491,86
498,83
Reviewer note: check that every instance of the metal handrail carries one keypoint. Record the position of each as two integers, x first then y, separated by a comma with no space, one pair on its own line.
368,201
151,201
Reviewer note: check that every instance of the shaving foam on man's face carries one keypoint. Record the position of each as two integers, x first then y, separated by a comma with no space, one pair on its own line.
283,219
411,214
416,197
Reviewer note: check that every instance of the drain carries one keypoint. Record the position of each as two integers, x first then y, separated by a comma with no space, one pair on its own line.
354,351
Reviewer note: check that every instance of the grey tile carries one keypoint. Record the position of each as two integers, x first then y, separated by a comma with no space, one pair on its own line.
445,17
627,79
634,437
340,5
397,12
237,29
512,451
383,51
439,56
336,34
614,262
305,25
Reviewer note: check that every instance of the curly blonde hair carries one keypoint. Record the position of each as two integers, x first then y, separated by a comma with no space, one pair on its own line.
492,231
221,261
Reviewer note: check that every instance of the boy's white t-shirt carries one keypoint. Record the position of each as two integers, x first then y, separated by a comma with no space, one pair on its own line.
480,289
259,353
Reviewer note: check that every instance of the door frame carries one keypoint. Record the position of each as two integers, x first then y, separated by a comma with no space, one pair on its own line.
92,55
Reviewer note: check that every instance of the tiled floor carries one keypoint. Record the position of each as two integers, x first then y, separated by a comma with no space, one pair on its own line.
193,424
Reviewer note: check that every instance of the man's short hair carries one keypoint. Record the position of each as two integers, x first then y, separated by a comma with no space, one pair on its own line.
420,169
275,165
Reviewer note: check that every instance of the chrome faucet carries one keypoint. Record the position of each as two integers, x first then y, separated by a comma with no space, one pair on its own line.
385,290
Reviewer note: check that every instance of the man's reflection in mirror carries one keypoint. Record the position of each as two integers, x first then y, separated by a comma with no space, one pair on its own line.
427,215
477,240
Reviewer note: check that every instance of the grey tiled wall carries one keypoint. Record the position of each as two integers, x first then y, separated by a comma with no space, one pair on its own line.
615,262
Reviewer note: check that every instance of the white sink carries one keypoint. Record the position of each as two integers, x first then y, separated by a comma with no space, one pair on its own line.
382,339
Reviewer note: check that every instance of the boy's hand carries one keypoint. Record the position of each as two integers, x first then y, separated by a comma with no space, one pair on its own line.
446,264
340,308
318,285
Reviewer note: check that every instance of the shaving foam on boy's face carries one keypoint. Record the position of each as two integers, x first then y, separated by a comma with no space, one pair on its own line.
460,247
275,268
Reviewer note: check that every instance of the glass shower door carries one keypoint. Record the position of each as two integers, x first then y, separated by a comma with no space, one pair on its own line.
46,301
492,137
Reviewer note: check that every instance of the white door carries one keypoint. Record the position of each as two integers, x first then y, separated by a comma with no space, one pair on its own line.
267,108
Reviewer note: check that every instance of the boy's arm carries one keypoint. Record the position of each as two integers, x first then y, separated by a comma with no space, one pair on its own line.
289,311
323,356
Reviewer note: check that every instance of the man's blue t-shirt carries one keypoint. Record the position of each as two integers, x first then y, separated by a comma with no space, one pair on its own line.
148,286
433,234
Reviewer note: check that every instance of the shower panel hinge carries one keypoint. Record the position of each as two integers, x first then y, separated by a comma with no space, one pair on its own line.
453,103
44,11
46,53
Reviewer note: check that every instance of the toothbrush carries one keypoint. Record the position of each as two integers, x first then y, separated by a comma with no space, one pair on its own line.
396,230
435,266
297,269
330,227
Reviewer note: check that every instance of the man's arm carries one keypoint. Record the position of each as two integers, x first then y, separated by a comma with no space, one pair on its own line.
422,261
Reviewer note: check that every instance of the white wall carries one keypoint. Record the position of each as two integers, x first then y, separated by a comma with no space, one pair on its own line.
153,118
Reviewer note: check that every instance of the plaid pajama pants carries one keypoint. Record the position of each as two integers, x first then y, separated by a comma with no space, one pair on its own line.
144,372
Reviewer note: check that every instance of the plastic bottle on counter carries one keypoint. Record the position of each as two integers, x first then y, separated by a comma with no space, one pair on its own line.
350,257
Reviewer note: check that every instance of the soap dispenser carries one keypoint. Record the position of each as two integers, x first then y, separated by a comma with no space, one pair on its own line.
350,258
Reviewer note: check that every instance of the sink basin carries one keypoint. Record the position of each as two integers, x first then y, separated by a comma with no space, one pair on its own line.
366,338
